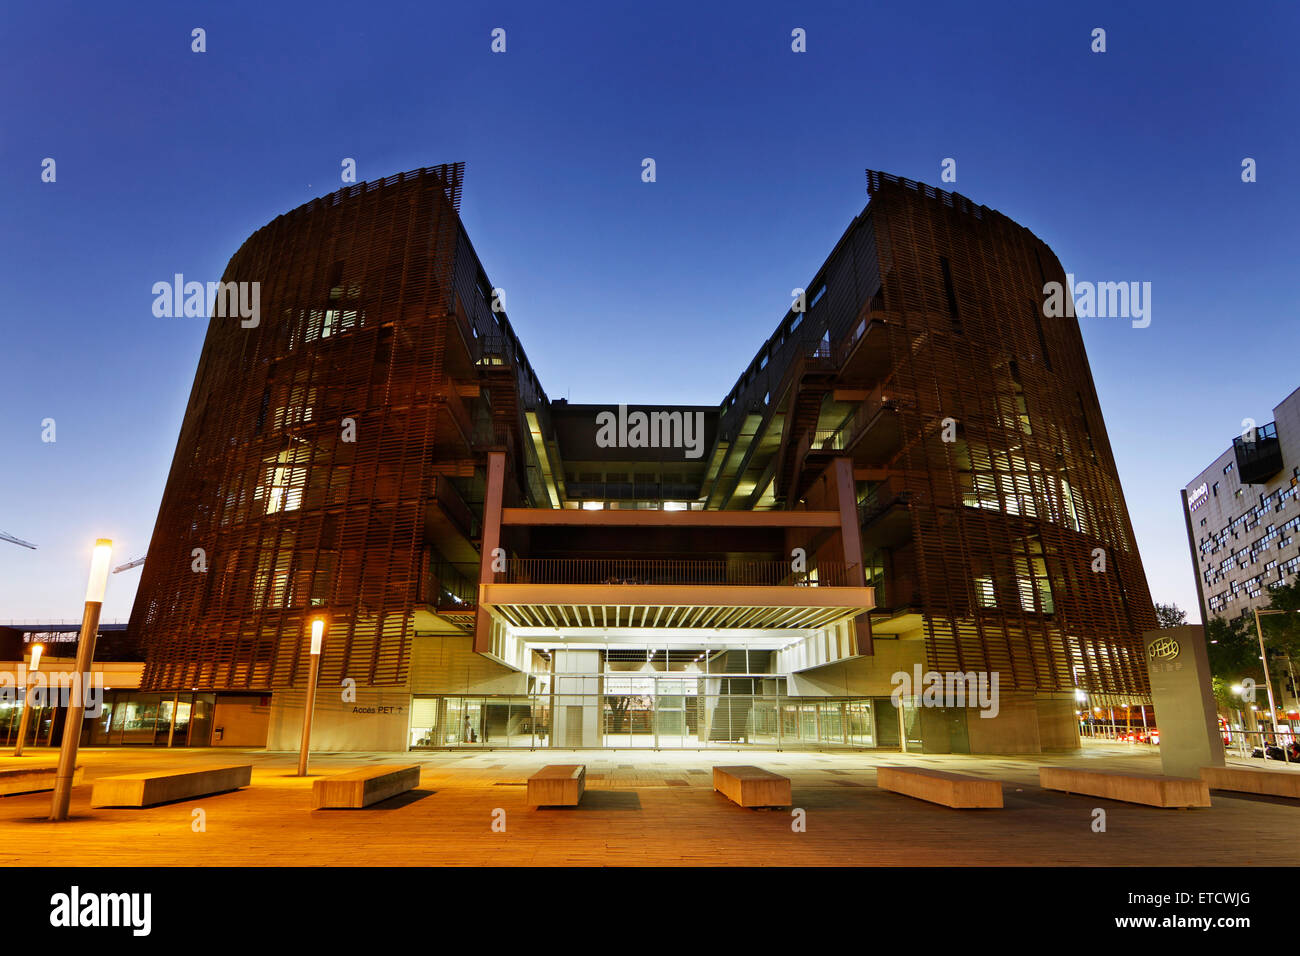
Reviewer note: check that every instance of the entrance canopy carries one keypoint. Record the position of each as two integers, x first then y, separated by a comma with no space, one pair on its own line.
711,615
672,609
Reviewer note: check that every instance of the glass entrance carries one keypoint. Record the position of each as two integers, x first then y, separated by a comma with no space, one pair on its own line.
661,713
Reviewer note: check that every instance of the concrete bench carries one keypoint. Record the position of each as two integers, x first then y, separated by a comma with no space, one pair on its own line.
752,786
558,785
355,789
32,779
165,786
1273,783
940,786
1152,789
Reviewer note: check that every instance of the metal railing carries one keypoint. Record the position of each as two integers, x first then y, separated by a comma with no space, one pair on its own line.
1259,744
632,490
827,439
443,585
673,572
1267,744
880,499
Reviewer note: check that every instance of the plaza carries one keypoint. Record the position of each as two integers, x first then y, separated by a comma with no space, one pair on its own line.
642,809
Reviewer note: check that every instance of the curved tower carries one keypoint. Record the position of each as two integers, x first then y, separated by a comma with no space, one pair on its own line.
993,523
317,441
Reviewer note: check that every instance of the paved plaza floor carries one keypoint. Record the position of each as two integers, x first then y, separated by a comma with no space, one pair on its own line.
641,808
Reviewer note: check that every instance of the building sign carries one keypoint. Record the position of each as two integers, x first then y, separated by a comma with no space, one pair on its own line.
1163,649
1198,497
1178,667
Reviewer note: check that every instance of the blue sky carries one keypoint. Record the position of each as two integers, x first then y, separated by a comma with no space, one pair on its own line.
1126,163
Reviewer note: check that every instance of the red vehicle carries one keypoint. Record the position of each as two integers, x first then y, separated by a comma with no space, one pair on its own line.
1142,737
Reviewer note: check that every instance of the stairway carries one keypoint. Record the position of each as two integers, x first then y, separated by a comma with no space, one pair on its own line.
732,719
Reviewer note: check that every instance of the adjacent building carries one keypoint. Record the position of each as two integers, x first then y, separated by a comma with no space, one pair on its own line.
911,476
1243,515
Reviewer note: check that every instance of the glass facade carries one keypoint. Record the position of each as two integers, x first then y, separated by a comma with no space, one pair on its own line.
661,713
146,719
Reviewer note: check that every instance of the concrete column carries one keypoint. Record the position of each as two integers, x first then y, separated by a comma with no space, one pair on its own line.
496,475
851,533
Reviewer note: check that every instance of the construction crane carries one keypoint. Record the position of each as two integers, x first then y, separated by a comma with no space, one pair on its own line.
5,536
130,564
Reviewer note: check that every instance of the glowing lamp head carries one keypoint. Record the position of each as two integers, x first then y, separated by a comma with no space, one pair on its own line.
37,651
99,563
317,633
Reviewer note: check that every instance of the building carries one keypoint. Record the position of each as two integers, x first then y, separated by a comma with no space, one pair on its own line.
911,476
179,718
1243,514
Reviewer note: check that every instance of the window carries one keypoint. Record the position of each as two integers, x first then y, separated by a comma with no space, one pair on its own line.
285,479
951,293
984,592
1042,338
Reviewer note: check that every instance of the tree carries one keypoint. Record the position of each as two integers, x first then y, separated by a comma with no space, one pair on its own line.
1232,648
1170,615
1223,696
1282,631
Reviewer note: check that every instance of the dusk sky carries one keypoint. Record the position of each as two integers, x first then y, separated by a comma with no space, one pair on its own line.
1127,163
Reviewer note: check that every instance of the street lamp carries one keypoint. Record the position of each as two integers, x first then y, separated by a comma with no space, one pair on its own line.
1268,681
317,635
32,668
99,563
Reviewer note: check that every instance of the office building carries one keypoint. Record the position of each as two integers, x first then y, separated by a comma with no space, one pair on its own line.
912,475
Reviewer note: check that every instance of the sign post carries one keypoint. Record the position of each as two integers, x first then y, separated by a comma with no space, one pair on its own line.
1179,668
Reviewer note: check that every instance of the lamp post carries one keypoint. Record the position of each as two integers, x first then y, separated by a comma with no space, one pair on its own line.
1239,691
85,657
317,633
27,696
1268,681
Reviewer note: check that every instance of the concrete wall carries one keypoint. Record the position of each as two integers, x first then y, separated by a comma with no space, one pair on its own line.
376,720
1013,731
449,665
1058,728
243,721
861,676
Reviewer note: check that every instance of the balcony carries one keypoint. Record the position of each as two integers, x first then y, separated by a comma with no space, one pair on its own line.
1261,459
494,352
872,435
885,515
863,357
446,589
